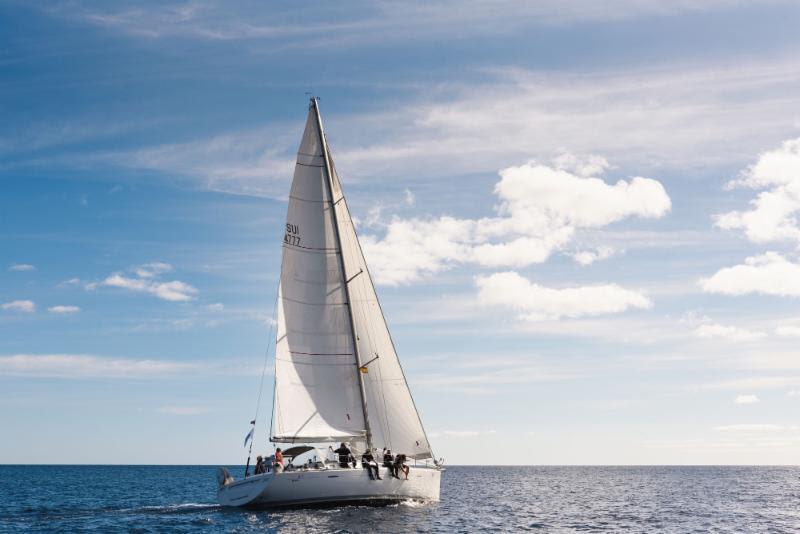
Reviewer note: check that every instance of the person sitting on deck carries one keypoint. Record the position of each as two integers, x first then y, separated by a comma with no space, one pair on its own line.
260,466
388,461
278,460
400,465
368,462
344,455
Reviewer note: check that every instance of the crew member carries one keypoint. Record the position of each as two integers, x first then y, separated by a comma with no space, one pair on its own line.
344,455
368,462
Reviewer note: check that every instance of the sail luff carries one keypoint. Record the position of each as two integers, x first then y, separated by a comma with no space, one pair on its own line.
345,280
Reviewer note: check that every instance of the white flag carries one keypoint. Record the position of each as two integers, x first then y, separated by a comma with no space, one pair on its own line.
249,436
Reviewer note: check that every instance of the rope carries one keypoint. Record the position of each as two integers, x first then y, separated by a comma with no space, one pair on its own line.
272,325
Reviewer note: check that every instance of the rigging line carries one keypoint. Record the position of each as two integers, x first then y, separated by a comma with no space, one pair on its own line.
272,326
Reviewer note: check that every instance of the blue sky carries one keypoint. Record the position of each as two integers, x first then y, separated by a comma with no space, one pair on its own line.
583,219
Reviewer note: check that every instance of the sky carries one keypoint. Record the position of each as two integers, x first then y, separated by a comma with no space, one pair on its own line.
583,220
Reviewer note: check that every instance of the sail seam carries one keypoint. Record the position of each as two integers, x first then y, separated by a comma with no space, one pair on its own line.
321,353
309,165
307,200
315,363
312,249
315,303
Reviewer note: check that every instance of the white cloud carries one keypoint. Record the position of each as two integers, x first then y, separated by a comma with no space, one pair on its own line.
63,310
588,257
182,410
794,393
746,399
21,267
174,291
540,209
369,22
217,306
86,366
767,274
731,333
774,212
152,270
643,117
788,331
534,302
146,282
26,306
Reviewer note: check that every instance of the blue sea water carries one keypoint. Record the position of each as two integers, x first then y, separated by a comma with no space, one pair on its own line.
474,499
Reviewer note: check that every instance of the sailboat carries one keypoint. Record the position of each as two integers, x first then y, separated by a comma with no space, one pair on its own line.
337,375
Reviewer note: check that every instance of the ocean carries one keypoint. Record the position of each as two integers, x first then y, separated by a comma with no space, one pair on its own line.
474,499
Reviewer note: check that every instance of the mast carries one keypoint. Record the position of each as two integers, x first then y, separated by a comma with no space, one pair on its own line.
345,281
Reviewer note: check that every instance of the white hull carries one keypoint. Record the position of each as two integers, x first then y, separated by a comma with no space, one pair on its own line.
329,486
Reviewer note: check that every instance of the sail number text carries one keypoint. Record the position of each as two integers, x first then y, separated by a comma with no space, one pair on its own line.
292,235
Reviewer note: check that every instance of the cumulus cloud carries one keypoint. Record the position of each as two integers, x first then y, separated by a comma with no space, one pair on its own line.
746,399
773,213
534,302
86,366
588,257
766,274
146,282
731,333
63,310
25,306
21,267
540,208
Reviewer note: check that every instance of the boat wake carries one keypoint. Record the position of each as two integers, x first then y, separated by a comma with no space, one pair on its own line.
183,508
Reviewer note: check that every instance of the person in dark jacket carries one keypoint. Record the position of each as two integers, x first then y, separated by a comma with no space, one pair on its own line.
368,462
260,466
344,455
388,461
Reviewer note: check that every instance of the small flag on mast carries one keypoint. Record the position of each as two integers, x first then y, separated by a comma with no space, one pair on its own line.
249,436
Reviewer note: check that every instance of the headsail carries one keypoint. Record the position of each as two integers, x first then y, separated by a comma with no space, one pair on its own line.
316,380
394,421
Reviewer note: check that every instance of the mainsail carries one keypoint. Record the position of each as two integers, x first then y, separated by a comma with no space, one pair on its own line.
330,324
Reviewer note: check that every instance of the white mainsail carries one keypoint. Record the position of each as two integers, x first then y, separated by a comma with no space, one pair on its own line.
318,387
316,384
